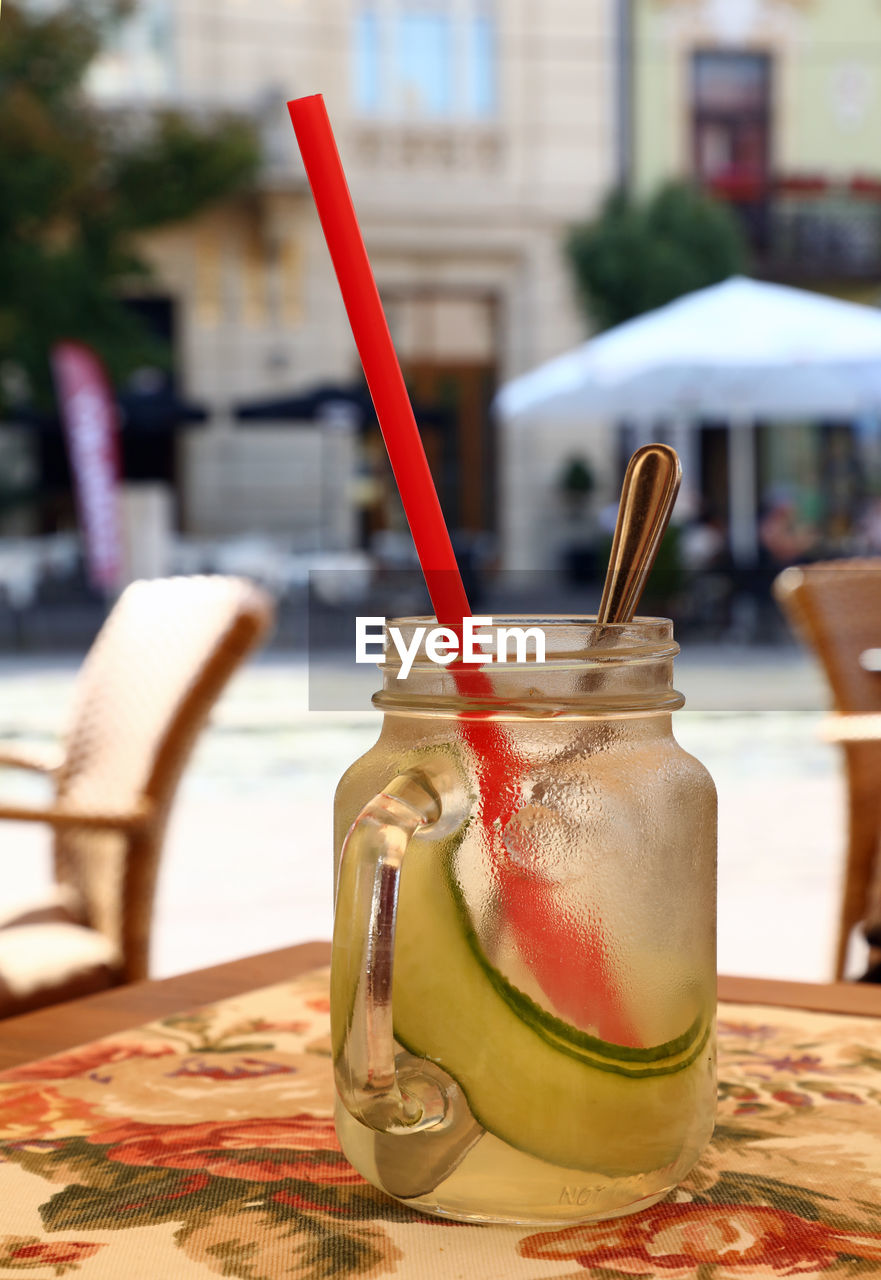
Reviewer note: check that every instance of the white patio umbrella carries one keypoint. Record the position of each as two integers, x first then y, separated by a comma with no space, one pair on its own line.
737,351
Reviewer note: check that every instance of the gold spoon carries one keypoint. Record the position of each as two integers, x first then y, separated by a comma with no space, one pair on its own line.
648,493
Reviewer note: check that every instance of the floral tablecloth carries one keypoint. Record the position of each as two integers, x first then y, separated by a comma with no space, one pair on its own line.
203,1146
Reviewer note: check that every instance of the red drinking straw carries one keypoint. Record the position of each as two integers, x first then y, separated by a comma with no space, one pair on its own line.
571,964
381,368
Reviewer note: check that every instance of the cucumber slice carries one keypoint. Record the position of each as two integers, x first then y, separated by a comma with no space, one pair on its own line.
532,1080
629,1060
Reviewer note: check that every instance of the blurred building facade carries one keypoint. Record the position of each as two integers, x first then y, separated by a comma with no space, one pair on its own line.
473,133
773,106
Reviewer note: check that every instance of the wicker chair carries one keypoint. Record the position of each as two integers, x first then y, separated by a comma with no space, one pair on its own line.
143,694
835,608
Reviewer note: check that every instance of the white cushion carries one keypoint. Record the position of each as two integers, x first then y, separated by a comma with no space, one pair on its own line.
34,957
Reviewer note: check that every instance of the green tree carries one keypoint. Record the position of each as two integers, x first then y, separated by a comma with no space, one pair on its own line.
78,185
639,255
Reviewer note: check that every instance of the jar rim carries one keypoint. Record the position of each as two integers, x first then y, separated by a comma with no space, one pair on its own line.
568,639
640,623
550,677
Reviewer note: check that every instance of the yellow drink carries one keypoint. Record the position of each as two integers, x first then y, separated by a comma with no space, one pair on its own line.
611,846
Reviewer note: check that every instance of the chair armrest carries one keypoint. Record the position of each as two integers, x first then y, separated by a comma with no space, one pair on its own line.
14,757
853,727
60,815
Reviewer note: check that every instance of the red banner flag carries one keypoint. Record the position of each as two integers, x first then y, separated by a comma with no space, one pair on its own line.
91,428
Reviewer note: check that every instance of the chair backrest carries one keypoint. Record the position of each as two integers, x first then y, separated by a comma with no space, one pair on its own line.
144,692
836,608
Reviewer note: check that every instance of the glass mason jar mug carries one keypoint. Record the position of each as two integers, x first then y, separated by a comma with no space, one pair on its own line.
523,974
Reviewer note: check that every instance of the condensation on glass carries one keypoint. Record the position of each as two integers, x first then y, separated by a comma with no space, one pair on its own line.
523,986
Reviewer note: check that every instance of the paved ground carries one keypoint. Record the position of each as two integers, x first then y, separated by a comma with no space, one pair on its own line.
248,860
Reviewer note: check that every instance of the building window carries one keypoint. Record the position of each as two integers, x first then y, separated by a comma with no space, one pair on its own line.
481,88
731,119
428,59
137,62
367,60
423,65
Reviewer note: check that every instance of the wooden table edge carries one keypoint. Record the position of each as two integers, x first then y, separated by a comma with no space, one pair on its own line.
862,999
47,1031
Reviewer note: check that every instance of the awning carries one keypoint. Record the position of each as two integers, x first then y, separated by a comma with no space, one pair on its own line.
320,402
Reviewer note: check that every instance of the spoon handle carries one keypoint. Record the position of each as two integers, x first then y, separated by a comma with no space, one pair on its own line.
650,486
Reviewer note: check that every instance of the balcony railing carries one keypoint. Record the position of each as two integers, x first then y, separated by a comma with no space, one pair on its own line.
435,148
805,227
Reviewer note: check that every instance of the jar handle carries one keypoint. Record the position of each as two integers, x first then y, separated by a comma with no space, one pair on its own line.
387,1091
